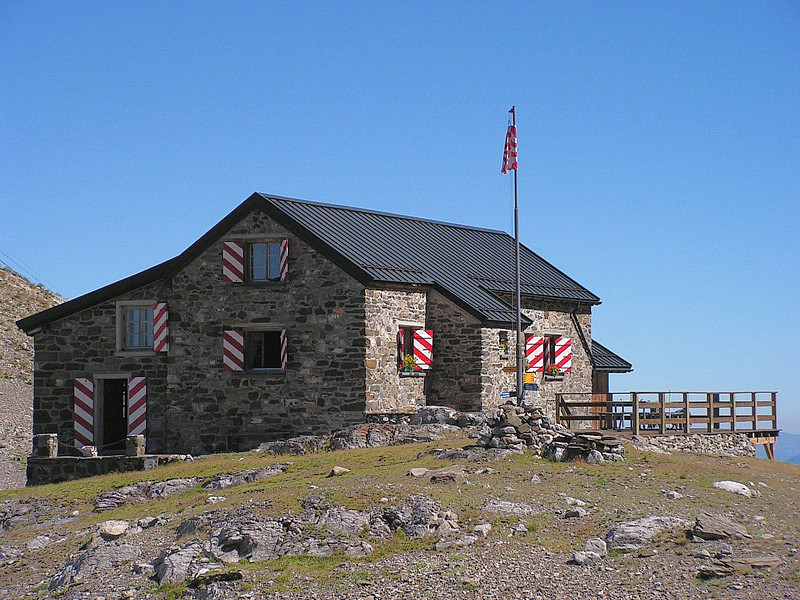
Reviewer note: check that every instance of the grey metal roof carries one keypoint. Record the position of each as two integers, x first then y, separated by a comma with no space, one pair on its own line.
605,360
468,264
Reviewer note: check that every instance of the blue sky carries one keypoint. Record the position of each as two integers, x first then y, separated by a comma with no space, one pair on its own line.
659,148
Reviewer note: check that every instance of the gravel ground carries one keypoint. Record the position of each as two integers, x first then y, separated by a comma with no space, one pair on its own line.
16,422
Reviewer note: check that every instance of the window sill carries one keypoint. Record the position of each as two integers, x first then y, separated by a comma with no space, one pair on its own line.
262,283
413,373
274,373
136,352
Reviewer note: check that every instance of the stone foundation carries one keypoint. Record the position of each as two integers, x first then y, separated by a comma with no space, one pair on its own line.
68,468
724,444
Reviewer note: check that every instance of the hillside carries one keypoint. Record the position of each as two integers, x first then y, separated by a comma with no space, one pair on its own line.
18,298
438,519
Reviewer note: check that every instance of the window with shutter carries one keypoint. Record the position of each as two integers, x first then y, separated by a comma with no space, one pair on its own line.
423,349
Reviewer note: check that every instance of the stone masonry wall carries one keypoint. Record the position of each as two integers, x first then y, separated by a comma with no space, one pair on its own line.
549,318
194,406
457,353
84,345
389,390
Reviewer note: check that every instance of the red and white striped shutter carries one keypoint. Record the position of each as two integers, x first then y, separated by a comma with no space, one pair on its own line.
401,344
284,350
137,406
534,353
84,412
284,259
160,327
233,350
423,349
233,262
563,357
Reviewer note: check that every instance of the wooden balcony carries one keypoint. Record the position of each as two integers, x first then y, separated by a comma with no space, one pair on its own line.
674,413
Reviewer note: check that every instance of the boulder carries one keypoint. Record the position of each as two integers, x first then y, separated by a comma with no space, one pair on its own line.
716,527
112,529
634,534
735,487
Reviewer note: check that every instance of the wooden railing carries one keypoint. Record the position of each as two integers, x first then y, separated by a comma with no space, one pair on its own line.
671,412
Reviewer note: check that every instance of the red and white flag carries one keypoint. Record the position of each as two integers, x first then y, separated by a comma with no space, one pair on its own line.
510,151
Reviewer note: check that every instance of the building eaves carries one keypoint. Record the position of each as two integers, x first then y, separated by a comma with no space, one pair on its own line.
608,361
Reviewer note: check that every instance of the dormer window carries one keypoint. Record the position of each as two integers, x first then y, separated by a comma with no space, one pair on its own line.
258,261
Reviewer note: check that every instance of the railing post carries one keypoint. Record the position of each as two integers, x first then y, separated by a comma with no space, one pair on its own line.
635,413
558,408
733,411
774,396
662,422
686,411
754,410
710,411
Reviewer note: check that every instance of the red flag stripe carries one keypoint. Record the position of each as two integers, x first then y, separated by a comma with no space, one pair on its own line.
510,150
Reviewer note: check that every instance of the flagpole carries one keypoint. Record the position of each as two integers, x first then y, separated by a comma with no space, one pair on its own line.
520,343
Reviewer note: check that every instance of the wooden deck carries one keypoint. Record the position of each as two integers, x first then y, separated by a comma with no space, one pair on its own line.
675,413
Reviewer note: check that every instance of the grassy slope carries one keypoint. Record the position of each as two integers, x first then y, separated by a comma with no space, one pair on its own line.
615,492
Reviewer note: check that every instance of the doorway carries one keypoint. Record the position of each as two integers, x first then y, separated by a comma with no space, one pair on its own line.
113,417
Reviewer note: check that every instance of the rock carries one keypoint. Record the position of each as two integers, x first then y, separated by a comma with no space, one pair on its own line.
717,527
228,480
634,534
453,474
519,530
583,557
735,487
177,564
595,458
112,529
337,470
576,512
732,566
39,542
170,487
483,529
101,561
343,520
443,415
574,501
504,507
596,545
418,471
672,495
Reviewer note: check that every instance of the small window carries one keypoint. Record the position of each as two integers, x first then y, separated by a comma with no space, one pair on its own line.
414,349
138,327
265,262
263,350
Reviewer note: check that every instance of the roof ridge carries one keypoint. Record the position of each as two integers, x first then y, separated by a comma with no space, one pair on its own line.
382,213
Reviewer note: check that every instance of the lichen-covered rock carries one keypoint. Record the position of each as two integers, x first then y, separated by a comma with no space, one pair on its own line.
634,534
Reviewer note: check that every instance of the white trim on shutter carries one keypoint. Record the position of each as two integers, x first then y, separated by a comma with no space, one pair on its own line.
83,412
284,259
423,349
534,353
233,262
160,327
563,357
137,406
233,350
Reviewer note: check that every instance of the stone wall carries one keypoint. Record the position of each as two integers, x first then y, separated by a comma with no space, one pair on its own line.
726,444
193,405
388,390
41,471
548,318
457,350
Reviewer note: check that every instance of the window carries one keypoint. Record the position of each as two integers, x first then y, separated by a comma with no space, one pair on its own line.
414,349
138,327
550,354
263,350
255,261
265,262
255,350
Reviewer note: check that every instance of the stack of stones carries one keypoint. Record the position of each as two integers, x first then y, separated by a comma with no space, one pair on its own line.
516,427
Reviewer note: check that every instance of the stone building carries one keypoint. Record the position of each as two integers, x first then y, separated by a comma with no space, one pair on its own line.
291,318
